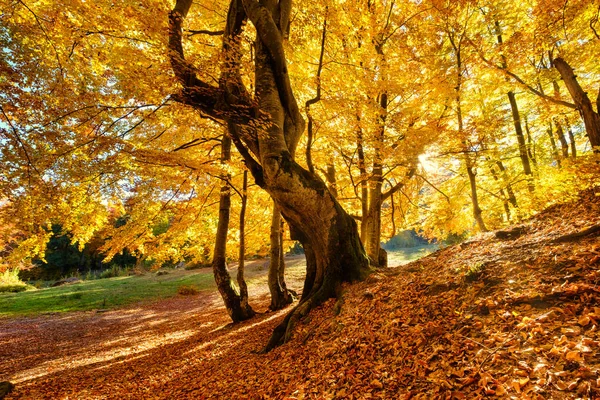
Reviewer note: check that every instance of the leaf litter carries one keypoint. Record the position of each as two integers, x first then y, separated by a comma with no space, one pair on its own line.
515,317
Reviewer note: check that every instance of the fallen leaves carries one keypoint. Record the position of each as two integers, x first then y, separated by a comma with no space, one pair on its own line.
525,328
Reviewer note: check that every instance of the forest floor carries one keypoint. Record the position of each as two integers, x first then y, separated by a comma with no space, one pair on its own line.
515,317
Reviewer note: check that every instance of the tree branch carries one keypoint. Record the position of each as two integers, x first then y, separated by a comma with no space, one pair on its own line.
519,80
314,100
399,185
204,32
271,38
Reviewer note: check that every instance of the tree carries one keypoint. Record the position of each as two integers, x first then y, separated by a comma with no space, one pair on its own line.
236,303
266,130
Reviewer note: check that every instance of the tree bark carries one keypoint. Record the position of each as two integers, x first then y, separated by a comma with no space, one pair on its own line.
509,190
232,299
591,119
502,195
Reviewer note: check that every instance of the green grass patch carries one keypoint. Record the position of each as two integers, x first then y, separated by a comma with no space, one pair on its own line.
406,255
101,293
10,282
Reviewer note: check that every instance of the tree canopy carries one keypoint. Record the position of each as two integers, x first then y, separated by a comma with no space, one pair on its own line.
447,117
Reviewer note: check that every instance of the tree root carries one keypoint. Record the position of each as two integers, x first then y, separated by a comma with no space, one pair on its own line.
577,235
510,234
283,332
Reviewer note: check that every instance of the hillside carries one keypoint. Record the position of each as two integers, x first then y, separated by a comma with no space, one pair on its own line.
514,317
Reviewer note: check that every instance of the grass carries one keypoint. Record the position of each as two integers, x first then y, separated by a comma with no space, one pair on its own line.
406,255
10,282
123,290
101,293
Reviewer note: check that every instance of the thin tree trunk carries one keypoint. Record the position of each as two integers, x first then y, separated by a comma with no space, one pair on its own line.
530,145
242,251
280,297
364,189
553,145
474,199
461,132
591,119
571,138
521,140
561,138
517,122
230,295
502,194
314,100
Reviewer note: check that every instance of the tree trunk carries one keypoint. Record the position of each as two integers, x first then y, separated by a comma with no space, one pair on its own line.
233,302
457,46
553,145
517,121
591,119
364,189
571,138
266,129
472,182
502,194
561,138
509,190
280,296
372,220
242,251
331,179
521,140
530,144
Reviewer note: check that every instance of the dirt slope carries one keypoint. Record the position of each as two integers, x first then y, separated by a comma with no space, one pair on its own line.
512,318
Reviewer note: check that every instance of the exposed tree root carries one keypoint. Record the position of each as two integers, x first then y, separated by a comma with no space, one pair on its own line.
283,332
577,235
510,234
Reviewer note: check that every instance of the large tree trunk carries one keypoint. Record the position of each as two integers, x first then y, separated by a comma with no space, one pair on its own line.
591,119
280,296
232,299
